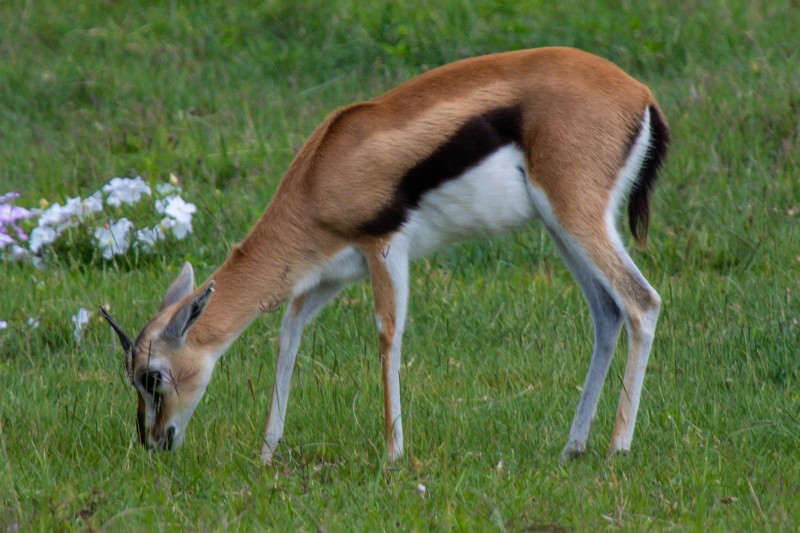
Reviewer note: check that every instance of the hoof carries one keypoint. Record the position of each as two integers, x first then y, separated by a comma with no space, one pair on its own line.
266,453
394,453
265,458
618,452
572,450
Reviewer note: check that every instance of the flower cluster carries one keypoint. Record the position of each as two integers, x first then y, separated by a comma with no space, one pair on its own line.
10,216
57,219
101,215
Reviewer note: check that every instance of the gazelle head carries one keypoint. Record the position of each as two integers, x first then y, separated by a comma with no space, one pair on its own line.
166,368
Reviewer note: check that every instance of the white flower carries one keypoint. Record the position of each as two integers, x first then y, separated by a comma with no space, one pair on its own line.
148,237
74,207
178,229
57,216
40,237
33,322
421,489
161,205
113,239
179,215
93,204
176,207
54,221
79,319
3,324
125,190
180,210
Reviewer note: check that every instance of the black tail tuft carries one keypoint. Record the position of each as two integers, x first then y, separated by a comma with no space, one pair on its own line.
639,200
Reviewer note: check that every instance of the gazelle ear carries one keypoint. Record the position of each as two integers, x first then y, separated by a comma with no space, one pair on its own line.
186,316
181,287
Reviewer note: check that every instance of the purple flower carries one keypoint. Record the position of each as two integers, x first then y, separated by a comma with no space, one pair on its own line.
9,216
8,196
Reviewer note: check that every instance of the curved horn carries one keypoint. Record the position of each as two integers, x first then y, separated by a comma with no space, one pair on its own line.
127,345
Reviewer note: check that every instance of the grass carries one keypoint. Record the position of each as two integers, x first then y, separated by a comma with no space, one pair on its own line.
223,94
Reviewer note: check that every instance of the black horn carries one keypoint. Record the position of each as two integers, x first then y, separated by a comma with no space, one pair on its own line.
127,345
123,338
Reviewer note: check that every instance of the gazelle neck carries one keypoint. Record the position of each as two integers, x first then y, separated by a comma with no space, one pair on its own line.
260,273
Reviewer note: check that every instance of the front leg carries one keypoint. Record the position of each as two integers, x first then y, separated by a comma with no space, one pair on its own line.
299,312
388,268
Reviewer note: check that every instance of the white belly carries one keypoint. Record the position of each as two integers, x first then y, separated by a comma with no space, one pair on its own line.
488,199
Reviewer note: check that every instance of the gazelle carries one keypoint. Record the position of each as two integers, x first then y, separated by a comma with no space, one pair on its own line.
473,148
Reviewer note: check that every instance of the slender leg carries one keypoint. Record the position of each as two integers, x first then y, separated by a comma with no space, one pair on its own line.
388,268
640,305
645,303
607,320
298,313
615,290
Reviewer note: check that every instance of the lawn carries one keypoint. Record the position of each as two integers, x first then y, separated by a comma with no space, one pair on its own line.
222,95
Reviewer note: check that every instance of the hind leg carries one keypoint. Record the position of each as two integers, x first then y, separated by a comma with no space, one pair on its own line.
607,320
644,305
640,305
616,291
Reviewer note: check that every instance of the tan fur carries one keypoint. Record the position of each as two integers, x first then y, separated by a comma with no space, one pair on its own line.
406,124
367,147
374,251
351,165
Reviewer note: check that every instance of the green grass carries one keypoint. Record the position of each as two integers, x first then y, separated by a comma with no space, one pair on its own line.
223,94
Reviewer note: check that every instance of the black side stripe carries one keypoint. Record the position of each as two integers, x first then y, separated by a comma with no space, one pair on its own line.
474,141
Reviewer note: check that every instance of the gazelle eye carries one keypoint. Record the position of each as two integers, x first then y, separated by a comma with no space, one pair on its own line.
150,381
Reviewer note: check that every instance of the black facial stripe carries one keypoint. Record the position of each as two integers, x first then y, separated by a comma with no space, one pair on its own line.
170,438
150,381
141,428
475,140
157,400
141,420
